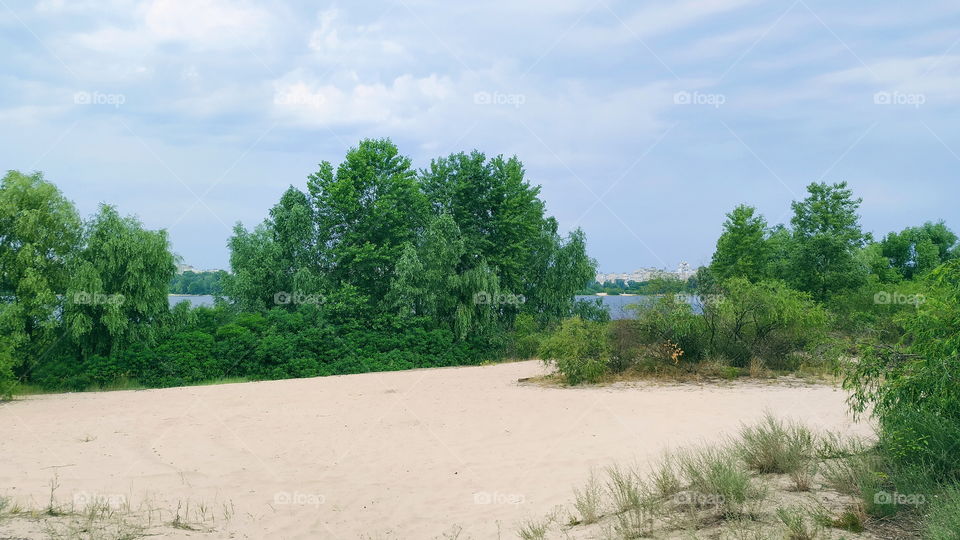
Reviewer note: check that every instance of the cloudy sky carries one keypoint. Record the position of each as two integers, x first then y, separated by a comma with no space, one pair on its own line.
643,121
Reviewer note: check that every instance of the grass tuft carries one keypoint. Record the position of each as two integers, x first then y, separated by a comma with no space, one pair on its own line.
772,447
589,500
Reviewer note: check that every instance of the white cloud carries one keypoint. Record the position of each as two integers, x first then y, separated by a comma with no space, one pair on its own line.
200,25
206,23
335,40
309,103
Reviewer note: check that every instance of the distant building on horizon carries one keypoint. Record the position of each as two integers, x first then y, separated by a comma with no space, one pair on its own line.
684,271
181,268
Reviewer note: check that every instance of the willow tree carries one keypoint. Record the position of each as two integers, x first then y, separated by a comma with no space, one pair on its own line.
118,283
39,230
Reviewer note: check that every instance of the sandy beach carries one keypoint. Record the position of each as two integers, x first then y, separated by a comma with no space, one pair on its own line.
412,454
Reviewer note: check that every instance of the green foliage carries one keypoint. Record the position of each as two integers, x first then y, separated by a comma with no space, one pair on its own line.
39,231
922,440
579,350
943,518
504,228
915,251
118,284
767,320
772,446
591,310
190,282
527,337
873,311
921,374
826,237
718,478
365,213
673,321
742,250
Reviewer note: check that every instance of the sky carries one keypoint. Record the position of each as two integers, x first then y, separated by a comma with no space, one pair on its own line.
644,122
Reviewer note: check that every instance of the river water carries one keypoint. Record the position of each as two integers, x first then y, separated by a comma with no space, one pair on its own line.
616,305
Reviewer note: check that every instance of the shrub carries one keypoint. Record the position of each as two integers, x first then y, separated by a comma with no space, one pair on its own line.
794,519
625,344
914,388
943,519
767,320
527,337
673,320
922,440
588,501
859,312
774,447
579,349
718,475
625,487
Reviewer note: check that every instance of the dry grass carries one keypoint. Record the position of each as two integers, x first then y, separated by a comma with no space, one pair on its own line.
776,480
107,517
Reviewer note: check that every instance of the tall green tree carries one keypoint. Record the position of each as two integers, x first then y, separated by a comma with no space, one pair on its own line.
426,276
505,229
742,249
39,231
780,248
365,213
568,269
279,262
255,260
118,284
827,235
915,251
499,213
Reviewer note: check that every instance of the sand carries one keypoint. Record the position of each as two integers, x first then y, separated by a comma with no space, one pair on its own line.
413,454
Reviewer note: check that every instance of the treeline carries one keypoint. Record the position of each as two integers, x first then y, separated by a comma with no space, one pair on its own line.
658,285
773,295
190,282
374,266
819,296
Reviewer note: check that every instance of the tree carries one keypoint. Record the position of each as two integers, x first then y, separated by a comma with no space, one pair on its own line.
39,230
568,268
499,214
278,263
827,234
255,261
364,214
742,250
915,251
426,276
780,248
118,284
